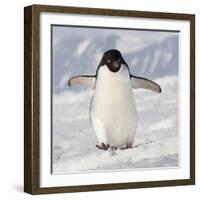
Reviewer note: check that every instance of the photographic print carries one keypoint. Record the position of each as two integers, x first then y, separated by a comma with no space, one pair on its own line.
114,90
109,99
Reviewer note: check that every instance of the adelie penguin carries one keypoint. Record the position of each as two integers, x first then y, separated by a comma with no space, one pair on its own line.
112,110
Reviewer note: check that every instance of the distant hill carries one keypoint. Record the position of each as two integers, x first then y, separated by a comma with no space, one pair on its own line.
156,60
76,56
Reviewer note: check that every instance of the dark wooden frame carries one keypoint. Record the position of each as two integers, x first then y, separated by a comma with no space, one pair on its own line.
32,106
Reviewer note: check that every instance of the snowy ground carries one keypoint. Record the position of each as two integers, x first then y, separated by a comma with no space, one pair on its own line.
156,143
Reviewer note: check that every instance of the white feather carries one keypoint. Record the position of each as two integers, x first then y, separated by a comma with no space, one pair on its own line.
113,110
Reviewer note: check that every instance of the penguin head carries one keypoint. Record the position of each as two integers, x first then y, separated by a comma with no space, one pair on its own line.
113,60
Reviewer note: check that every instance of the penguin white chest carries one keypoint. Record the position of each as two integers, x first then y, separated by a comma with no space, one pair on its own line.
113,110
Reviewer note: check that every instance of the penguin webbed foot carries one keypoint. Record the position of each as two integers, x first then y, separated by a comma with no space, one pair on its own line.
113,147
103,146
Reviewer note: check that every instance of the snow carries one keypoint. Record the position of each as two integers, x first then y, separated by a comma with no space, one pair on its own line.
82,47
155,146
156,57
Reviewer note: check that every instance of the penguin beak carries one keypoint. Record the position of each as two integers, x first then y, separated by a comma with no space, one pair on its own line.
116,64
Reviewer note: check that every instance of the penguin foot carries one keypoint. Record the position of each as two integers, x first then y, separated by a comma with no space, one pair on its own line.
103,146
129,146
113,148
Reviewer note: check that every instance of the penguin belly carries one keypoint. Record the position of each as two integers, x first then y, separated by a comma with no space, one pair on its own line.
113,111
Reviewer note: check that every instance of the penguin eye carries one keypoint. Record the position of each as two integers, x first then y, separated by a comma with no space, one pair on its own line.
108,61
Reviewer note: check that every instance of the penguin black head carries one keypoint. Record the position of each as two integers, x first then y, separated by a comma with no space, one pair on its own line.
113,60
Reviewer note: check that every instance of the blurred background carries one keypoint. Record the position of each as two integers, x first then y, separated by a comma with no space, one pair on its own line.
149,54
78,50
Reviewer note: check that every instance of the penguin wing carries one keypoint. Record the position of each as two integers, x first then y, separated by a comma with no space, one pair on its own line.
84,80
139,82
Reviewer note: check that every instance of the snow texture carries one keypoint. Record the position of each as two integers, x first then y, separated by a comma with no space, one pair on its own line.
156,142
150,54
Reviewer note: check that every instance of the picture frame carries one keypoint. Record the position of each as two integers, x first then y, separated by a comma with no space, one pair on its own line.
34,141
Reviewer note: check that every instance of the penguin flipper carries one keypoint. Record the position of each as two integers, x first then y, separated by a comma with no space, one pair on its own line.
84,80
139,82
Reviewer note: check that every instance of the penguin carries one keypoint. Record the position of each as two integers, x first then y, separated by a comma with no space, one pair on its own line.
113,112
